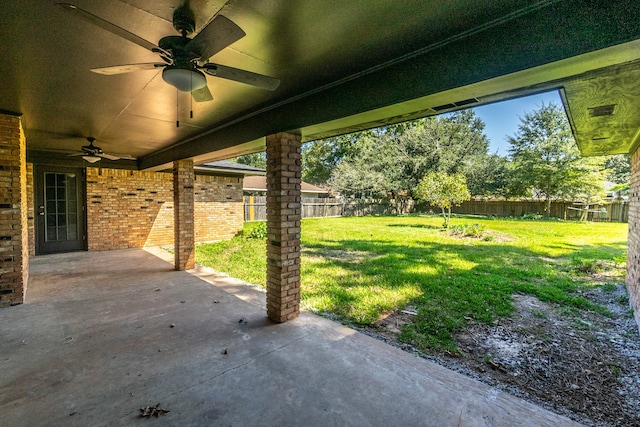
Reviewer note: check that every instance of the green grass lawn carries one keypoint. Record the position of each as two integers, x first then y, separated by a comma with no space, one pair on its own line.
361,268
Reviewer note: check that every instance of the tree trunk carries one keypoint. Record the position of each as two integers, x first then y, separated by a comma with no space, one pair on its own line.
447,217
444,216
548,210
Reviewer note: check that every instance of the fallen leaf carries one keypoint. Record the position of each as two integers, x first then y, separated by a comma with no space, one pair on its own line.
148,411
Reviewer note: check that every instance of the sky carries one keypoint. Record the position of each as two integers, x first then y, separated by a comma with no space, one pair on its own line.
502,118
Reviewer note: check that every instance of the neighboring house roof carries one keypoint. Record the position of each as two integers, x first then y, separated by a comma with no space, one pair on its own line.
259,183
225,166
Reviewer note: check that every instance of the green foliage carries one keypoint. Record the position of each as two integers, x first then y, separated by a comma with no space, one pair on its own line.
257,160
586,265
391,160
545,157
469,230
320,157
362,268
531,216
444,191
618,168
259,231
487,175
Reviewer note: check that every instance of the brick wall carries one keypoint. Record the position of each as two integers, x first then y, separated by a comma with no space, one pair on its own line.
14,234
132,209
219,208
128,209
183,201
30,211
283,226
633,245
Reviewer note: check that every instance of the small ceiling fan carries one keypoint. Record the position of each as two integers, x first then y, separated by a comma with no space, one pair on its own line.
92,153
185,60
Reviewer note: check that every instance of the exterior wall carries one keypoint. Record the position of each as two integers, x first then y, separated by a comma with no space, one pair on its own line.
128,209
219,209
633,245
14,233
132,209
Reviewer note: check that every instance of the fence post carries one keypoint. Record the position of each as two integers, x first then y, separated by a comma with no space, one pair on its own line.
252,209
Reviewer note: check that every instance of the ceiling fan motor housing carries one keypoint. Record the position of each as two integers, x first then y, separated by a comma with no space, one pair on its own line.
182,72
184,21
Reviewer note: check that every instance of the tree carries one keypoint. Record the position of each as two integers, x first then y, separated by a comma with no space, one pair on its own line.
488,175
618,168
321,157
545,157
363,174
392,160
257,160
443,190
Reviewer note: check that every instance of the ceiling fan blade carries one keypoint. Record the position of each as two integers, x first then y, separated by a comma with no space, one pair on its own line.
106,25
123,156
215,36
122,69
107,156
242,76
202,95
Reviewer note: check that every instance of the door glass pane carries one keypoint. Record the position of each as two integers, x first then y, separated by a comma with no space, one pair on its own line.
72,232
51,193
61,216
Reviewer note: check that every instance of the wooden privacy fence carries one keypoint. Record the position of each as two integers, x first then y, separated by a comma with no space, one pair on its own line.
255,207
616,211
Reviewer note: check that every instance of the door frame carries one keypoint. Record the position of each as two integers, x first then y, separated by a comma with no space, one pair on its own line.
38,200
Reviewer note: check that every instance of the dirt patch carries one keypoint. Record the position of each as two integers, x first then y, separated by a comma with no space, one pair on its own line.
353,257
577,363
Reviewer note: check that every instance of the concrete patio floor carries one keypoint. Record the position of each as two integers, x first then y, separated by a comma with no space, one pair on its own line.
103,334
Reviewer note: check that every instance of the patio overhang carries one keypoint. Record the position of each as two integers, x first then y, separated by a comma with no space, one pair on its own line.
342,68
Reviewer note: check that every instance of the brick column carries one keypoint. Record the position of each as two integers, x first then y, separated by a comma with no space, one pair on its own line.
183,194
283,226
633,245
14,230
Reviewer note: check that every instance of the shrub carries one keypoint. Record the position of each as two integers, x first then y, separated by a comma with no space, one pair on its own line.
586,266
468,230
258,232
532,216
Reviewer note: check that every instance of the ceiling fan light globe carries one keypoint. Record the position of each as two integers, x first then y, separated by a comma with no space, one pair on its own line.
91,159
184,80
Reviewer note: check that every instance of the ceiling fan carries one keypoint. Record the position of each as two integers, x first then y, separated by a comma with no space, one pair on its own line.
92,153
184,59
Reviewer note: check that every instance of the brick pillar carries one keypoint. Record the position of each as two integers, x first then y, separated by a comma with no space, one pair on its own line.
283,226
14,230
633,245
183,195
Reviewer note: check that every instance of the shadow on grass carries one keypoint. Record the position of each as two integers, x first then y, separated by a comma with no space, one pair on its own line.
449,284
429,226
